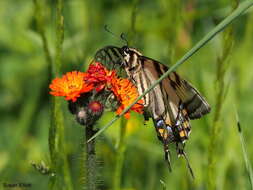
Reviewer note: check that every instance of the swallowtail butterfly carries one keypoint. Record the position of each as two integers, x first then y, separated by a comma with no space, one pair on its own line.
171,104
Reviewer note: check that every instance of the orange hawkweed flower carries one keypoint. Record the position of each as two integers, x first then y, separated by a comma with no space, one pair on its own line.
126,93
71,85
98,75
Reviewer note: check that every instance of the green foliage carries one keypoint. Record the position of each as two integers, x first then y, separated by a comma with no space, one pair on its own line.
120,155
39,39
221,90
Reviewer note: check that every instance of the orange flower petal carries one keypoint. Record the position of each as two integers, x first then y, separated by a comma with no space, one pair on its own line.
126,93
71,85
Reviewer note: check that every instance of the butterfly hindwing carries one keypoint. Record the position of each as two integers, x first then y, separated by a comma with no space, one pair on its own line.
193,102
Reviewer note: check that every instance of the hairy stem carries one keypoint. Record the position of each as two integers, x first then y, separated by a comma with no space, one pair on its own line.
90,162
59,163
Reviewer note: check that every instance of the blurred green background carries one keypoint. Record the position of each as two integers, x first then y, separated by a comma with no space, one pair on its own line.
163,30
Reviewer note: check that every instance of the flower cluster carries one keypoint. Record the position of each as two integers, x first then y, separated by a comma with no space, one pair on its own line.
73,84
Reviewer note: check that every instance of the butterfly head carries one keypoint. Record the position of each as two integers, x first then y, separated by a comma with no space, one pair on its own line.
126,50
130,56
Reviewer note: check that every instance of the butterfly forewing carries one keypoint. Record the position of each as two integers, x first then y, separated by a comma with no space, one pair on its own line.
110,56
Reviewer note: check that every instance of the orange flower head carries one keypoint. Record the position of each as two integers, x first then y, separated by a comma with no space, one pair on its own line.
71,85
98,75
126,93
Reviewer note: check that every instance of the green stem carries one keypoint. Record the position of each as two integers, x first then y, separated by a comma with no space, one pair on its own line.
59,36
62,179
90,162
120,152
41,29
220,27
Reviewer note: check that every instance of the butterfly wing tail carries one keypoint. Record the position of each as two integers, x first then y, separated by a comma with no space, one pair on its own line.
167,155
188,165
181,152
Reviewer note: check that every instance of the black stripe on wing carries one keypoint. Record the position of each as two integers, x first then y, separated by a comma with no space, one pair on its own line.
109,56
197,106
193,102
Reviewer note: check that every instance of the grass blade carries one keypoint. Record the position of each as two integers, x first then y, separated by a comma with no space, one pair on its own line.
244,151
220,27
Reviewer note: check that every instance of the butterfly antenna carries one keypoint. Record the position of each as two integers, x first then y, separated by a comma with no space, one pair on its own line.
188,165
109,31
123,37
